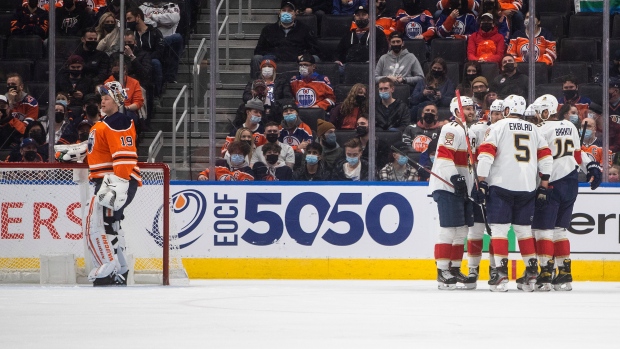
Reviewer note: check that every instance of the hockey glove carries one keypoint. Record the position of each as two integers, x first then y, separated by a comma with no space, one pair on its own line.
541,198
460,186
113,192
594,175
480,195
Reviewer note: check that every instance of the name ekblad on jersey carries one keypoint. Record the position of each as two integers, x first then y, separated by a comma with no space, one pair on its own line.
564,131
520,127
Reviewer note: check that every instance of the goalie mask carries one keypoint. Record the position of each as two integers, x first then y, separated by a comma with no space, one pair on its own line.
115,90
514,104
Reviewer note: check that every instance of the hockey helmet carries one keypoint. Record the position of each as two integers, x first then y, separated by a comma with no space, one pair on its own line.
546,102
454,104
515,105
497,105
115,90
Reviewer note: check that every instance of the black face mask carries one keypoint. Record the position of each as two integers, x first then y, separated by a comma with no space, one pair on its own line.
38,136
33,3
397,48
272,159
116,76
91,45
92,110
3,113
109,27
83,137
249,142
486,27
362,23
75,73
59,117
509,68
361,130
30,155
68,4
436,74
429,118
479,95
271,137
131,25
360,99
471,77
570,94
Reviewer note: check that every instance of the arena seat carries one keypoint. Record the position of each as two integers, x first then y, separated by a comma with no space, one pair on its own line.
555,6
451,50
592,91
287,69
578,50
596,72
65,46
39,90
444,113
5,23
341,91
614,45
41,69
22,67
342,136
582,25
331,70
310,117
27,47
389,137
333,26
562,69
556,23
328,49
489,70
308,20
549,88
615,27
541,71
419,48
356,73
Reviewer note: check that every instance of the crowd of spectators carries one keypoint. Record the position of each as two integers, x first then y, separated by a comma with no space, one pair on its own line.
494,33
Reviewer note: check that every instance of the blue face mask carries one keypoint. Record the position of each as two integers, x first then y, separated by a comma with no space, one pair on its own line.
236,159
290,117
255,119
402,160
312,159
286,17
384,95
432,159
574,118
330,138
588,134
352,161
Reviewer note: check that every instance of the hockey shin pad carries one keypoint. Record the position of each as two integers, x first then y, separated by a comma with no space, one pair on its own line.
104,261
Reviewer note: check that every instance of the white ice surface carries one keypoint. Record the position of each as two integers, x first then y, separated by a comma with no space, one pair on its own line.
308,314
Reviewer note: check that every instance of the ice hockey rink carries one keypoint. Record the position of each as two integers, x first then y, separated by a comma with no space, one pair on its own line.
307,314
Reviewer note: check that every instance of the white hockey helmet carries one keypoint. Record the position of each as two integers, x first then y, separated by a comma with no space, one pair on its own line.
546,102
454,104
515,105
115,90
497,105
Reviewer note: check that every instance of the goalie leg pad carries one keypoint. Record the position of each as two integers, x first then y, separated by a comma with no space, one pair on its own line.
101,249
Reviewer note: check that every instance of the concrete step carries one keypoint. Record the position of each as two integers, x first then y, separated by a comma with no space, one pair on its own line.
256,4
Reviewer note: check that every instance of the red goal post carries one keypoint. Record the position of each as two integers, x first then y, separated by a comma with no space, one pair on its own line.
42,210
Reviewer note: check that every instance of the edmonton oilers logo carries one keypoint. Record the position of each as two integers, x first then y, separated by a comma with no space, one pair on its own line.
413,29
524,52
189,207
306,97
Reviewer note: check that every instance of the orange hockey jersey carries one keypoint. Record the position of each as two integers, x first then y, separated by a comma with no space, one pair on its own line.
597,152
112,148
23,113
313,91
544,49
225,173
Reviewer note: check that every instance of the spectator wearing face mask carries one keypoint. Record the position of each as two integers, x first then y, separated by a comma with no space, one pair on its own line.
272,168
61,123
286,153
311,89
22,110
277,88
487,44
545,43
614,174
354,167
30,19
500,17
112,6
391,114
294,132
419,135
399,65
35,132
96,63
510,81
344,115
326,137
436,87
353,47
570,113
570,95
73,18
480,88
382,149
234,167
27,152
253,122
313,167
399,170
74,81
108,32
471,70
284,41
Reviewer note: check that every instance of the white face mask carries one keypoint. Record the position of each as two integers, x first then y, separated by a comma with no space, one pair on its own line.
267,72
303,71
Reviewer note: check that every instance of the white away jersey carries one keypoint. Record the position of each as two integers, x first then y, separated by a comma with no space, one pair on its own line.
451,158
511,155
563,139
479,130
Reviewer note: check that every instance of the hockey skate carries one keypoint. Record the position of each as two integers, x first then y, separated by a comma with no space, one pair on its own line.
471,280
562,282
113,279
445,280
527,282
543,281
499,280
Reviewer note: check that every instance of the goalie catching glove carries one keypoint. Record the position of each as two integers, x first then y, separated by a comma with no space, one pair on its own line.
71,152
113,192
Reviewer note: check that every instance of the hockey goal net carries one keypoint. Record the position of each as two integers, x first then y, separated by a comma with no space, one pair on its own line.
42,210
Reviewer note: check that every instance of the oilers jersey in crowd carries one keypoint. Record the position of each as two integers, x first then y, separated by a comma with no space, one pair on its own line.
313,90
459,28
420,24
300,134
451,158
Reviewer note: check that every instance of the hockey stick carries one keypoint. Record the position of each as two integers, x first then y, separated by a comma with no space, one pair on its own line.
470,161
583,133
420,167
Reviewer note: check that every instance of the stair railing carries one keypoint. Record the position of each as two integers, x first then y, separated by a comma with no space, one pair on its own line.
155,147
175,128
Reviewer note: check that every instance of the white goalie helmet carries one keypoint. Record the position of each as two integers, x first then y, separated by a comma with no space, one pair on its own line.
115,90
546,102
497,105
454,104
515,105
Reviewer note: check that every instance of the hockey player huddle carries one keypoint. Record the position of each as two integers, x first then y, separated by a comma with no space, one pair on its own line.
502,173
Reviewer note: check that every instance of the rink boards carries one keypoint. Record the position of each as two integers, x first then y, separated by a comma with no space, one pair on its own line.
351,231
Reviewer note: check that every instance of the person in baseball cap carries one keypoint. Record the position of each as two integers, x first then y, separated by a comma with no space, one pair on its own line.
28,150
